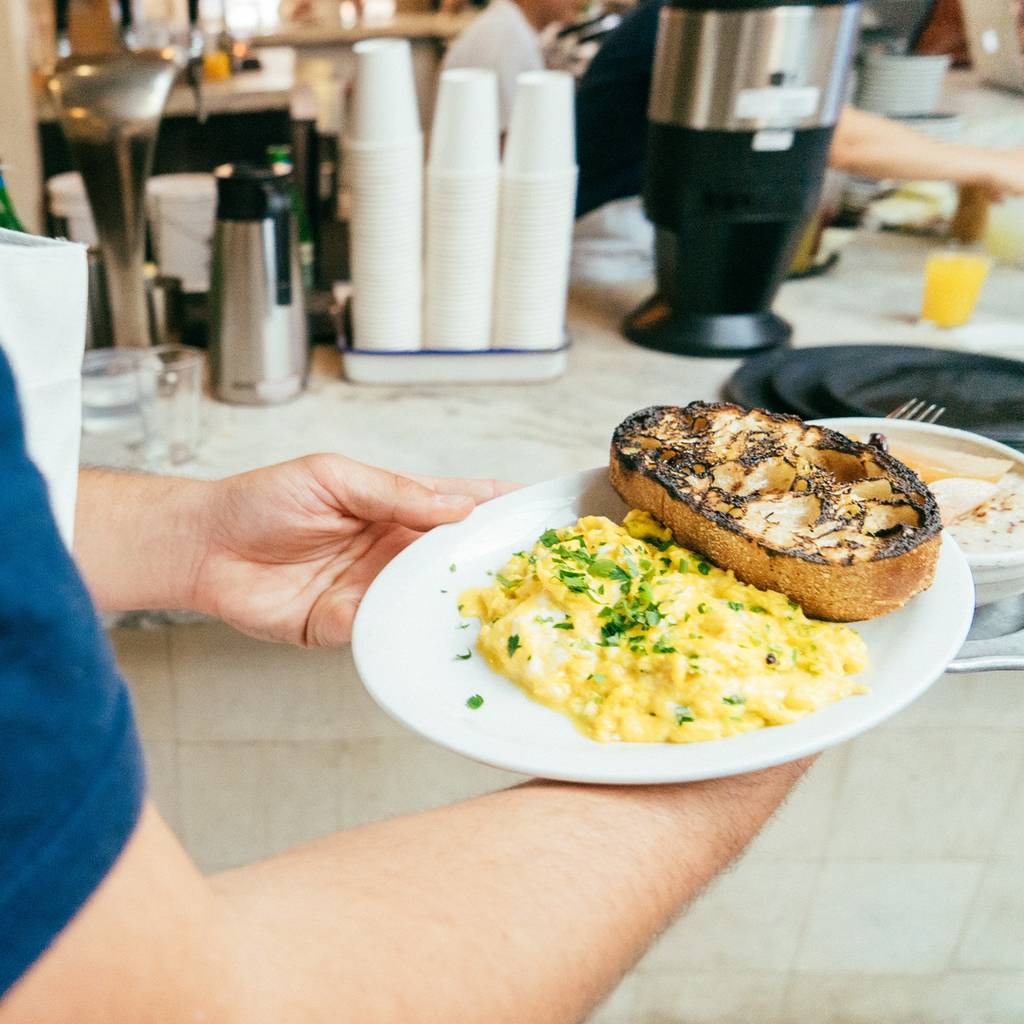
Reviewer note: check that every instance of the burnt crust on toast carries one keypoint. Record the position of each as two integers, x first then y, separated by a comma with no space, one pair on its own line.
841,527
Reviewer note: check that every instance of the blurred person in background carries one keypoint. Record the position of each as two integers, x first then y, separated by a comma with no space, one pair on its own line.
611,146
508,38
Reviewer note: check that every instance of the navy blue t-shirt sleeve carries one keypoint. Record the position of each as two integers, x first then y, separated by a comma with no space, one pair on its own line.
71,777
611,112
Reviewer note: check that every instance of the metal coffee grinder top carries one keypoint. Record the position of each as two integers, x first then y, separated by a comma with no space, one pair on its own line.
744,100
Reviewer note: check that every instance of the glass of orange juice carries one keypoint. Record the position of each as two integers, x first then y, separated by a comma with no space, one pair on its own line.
216,66
952,284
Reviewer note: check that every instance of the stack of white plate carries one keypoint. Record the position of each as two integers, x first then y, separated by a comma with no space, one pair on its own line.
383,152
538,196
898,84
462,211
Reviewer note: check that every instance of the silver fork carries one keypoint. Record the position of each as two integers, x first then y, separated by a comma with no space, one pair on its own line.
917,412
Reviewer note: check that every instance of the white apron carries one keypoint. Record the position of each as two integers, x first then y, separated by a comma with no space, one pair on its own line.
43,289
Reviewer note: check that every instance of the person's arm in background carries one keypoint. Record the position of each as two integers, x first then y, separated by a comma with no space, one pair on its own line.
524,905
876,147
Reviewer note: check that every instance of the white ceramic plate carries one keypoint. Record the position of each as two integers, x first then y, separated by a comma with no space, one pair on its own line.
406,641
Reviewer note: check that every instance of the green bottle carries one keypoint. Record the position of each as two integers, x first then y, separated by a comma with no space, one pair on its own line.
281,156
8,218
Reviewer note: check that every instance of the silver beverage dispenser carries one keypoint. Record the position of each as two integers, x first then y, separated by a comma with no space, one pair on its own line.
744,99
259,348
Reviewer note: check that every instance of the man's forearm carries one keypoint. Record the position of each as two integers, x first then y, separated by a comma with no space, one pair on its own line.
138,539
525,905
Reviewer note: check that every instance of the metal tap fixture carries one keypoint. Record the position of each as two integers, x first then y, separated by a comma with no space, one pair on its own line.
109,100
109,106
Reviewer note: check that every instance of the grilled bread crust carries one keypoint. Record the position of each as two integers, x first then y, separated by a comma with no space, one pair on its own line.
709,471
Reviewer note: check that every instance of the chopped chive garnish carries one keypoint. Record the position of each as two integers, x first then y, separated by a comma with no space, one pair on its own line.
451,568
734,698
683,714
475,701
736,606
513,644
464,657
564,625
703,568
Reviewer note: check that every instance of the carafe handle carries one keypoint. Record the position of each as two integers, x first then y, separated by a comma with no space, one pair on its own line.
281,217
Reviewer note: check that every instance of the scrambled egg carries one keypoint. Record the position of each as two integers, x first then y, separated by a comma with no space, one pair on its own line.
638,639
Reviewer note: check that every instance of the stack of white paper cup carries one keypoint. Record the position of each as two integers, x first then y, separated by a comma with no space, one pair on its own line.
538,197
182,209
69,203
383,150
463,176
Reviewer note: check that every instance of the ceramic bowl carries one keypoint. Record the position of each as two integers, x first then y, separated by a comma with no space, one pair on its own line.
997,575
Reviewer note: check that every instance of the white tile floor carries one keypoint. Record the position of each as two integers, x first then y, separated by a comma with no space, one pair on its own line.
889,890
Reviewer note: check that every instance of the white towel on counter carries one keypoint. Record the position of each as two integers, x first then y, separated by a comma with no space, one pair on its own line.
43,289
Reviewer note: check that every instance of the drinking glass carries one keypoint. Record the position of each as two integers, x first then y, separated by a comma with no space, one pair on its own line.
172,414
952,284
141,408
113,396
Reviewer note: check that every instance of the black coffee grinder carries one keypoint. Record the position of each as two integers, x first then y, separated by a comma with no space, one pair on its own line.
744,99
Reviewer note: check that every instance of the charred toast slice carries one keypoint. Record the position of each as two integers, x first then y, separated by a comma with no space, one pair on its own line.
842,528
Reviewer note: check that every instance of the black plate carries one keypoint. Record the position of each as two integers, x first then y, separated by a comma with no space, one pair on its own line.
801,383
750,386
981,393
789,380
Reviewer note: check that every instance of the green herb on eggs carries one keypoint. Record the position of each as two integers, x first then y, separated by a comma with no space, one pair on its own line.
683,714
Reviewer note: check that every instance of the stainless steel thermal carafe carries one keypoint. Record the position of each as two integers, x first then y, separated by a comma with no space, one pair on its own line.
259,348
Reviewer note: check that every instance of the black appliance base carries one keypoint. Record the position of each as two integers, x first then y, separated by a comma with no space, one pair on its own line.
655,325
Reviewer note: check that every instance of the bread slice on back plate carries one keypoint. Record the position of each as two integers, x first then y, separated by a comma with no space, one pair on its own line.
842,528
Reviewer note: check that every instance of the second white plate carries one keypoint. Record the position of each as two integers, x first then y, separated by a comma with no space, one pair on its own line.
407,640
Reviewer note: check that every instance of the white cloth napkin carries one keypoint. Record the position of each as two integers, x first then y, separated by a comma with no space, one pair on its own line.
43,290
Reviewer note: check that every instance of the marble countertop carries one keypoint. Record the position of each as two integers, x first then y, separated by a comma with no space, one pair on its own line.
411,25
534,432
